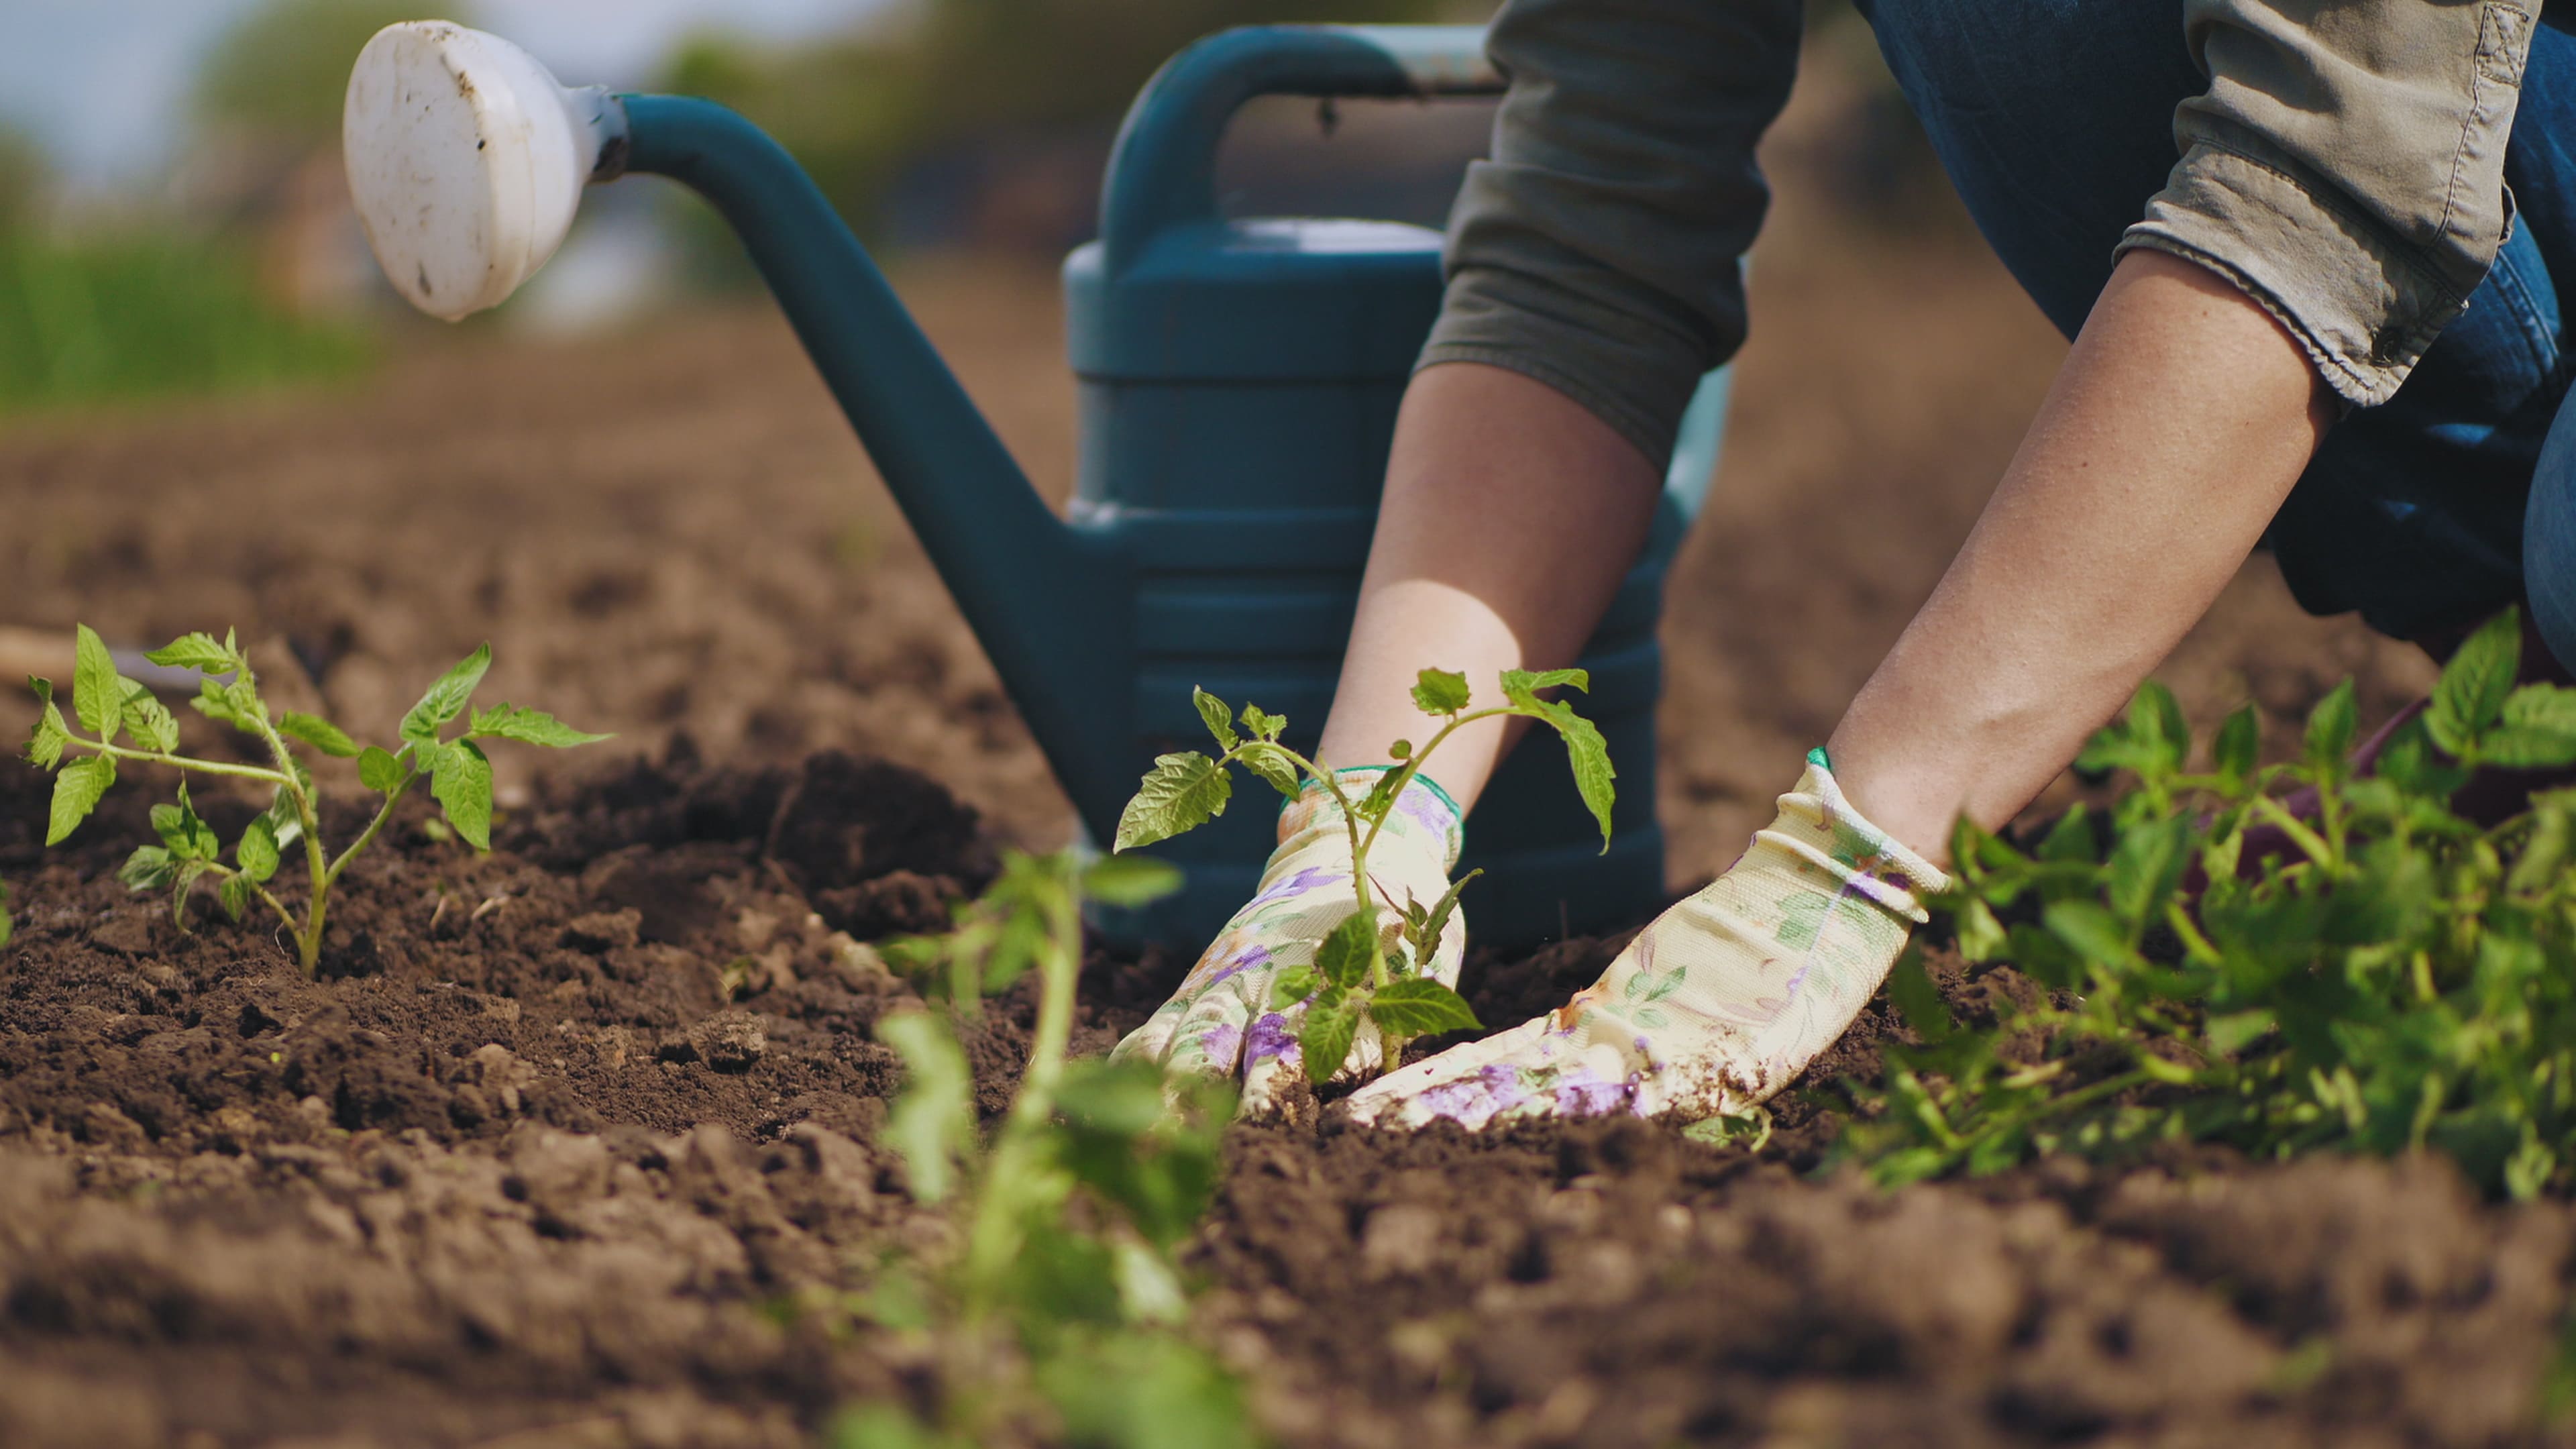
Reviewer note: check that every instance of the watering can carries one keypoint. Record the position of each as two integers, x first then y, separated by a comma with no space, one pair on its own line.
1238,382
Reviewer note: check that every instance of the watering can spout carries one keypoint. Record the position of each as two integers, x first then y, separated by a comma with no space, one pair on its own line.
448,129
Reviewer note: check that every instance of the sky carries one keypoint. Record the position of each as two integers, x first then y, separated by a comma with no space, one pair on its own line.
101,83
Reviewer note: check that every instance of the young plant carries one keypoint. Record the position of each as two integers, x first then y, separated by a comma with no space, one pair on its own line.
1055,1318
106,705
1361,971
2399,978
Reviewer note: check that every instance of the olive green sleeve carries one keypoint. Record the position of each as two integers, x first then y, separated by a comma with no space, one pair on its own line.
2346,168
1598,250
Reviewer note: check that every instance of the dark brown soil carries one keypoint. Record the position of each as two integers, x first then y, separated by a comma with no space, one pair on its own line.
564,1139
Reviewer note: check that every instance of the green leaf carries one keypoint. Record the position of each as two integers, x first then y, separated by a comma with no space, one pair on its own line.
463,787
149,868
1130,880
1292,986
933,1122
1324,1038
2332,726
187,836
1420,1006
318,732
45,746
1521,686
1342,957
1181,792
1439,692
1263,726
379,771
1587,753
1425,930
2240,740
2091,929
447,698
1219,719
2537,729
2475,684
196,651
77,788
1910,990
8,927
1400,750
98,693
234,896
149,720
530,727
1273,764
183,880
257,850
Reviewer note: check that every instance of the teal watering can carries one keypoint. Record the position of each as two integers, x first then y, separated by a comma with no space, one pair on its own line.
1238,383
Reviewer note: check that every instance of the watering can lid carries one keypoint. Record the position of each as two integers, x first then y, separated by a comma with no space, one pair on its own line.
1256,299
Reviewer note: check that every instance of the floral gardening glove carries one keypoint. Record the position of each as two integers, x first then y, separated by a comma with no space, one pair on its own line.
1222,1021
1714,1007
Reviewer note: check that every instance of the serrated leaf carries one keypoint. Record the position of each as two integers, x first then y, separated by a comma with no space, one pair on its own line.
1273,765
531,727
256,851
379,771
149,868
2474,685
149,720
1218,718
1324,1038
1586,753
284,824
185,880
463,789
318,732
234,896
1440,692
447,698
1521,686
933,1120
1420,1006
196,651
2537,729
1342,957
1424,928
216,704
45,745
2240,739
2332,726
1261,725
1182,792
1292,986
98,692
1130,880
77,789
187,836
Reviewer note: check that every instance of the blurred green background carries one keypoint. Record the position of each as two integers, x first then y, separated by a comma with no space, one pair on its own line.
933,124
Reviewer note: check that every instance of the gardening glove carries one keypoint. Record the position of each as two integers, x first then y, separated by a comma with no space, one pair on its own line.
1715,1006
1221,1021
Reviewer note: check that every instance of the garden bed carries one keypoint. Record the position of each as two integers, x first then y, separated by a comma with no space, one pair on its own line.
567,1143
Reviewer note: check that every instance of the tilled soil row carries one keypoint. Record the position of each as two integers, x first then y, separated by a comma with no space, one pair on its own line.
566,1140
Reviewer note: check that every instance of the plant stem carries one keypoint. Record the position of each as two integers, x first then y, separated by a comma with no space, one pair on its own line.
180,762
992,1240
375,826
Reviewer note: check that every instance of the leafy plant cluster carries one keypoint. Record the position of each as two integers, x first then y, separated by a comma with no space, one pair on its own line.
1362,971
1056,1315
2380,975
107,706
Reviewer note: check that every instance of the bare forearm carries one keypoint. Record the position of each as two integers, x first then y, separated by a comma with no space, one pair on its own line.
1511,513
2178,424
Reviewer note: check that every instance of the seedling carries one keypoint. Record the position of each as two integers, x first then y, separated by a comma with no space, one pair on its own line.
2400,978
1362,971
1054,1318
106,705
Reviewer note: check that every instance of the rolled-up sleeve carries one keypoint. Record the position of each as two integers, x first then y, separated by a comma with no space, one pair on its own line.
2346,168
1597,251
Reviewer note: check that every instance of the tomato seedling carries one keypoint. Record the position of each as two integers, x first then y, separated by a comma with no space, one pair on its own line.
1362,971
107,705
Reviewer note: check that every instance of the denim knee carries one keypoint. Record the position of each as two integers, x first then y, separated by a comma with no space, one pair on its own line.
2549,539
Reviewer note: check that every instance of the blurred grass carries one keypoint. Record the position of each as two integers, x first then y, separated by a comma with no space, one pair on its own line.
127,317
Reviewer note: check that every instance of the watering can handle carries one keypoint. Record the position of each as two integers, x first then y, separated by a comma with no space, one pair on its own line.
1162,173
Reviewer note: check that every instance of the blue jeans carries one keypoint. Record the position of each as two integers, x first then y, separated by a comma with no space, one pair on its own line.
2452,500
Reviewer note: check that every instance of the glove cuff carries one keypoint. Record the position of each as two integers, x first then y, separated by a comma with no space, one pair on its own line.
1819,825
1424,816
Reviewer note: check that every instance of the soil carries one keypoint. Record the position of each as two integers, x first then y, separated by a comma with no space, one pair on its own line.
560,1138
